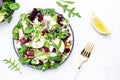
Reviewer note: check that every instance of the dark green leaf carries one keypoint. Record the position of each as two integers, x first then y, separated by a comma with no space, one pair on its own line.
38,67
9,19
49,11
63,34
46,65
56,65
55,58
24,61
58,27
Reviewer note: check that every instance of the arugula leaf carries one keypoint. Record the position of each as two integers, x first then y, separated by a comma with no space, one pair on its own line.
56,58
13,65
70,11
49,11
29,29
69,2
40,67
58,27
59,45
14,6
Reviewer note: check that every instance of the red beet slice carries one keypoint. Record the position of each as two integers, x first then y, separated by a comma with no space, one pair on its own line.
40,17
60,23
30,53
44,31
40,62
67,50
23,41
46,49
33,14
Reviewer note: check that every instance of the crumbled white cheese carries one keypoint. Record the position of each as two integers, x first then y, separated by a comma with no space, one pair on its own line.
36,21
51,48
38,44
21,34
18,45
24,24
47,17
52,54
37,61
62,47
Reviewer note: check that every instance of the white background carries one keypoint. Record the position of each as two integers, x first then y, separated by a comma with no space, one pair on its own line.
104,62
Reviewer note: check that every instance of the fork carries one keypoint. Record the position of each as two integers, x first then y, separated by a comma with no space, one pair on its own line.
84,55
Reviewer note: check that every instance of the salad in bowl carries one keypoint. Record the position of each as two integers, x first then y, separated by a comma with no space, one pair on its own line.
6,9
43,38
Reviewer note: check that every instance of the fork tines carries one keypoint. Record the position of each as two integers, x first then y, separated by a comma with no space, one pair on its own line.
87,50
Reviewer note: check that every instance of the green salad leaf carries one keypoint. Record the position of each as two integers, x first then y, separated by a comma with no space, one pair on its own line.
47,44
29,29
14,6
24,61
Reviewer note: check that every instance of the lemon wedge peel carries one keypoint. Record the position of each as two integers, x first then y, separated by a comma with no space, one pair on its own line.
99,26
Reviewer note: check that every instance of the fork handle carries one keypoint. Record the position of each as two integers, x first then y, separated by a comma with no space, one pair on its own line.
80,65
76,75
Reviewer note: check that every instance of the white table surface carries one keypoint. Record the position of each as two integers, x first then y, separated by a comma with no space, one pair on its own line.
104,62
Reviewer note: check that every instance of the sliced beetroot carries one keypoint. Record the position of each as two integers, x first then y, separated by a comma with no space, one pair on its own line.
44,31
67,50
29,39
23,41
60,17
60,23
30,53
46,49
33,14
40,17
25,55
40,62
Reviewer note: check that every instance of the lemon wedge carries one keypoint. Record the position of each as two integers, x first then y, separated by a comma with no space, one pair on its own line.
1,16
99,26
